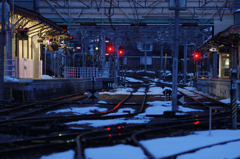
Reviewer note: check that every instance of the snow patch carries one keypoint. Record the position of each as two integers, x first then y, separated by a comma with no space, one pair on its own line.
62,155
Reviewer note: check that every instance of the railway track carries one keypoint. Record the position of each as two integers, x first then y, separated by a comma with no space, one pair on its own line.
201,101
20,110
114,134
31,123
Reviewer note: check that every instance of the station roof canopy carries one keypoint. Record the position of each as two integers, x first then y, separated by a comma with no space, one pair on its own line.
34,23
230,38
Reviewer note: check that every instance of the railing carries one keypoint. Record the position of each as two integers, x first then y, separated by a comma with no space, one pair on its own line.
9,67
84,72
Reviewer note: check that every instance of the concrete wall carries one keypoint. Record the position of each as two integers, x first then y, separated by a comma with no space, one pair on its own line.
215,87
34,90
44,89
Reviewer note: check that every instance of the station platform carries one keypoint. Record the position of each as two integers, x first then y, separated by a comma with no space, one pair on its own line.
216,87
44,89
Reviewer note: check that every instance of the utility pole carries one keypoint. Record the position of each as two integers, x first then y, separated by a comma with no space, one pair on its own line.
2,39
185,64
161,61
175,58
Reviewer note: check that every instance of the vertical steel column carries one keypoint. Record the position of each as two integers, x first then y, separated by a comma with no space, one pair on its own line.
234,89
9,54
103,51
161,60
175,59
215,62
36,5
2,44
45,61
117,65
145,55
185,64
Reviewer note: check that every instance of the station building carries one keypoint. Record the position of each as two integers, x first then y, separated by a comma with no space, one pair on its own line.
27,34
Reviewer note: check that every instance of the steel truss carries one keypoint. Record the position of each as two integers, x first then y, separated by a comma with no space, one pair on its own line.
132,11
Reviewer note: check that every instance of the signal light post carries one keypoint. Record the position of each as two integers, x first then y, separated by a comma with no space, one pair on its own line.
120,53
196,57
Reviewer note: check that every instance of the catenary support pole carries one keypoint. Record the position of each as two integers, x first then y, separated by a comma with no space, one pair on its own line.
185,64
161,61
145,66
175,60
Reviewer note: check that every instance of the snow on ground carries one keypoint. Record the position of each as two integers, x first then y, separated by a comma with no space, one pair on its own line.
99,123
133,79
139,71
153,72
155,108
152,84
155,91
10,79
228,100
163,147
130,71
62,155
158,108
115,152
124,91
46,77
102,102
146,77
191,88
140,91
217,152
79,111
122,111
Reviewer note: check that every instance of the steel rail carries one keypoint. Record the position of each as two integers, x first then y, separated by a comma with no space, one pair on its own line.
37,142
209,97
80,149
201,103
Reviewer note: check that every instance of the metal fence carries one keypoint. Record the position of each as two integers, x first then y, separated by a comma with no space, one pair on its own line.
85,72
9,67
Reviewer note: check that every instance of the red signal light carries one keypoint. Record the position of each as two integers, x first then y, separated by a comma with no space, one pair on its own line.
196,56
110,48
197,122
120,50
